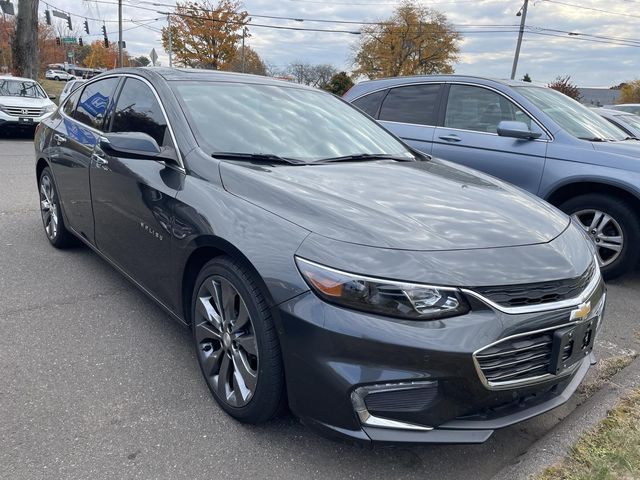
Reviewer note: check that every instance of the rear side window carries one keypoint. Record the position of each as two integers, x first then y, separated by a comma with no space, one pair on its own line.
94,102
411,104
138,110
70,104
370,104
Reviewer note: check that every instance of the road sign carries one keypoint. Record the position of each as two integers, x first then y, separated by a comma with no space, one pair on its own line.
153,56
72,40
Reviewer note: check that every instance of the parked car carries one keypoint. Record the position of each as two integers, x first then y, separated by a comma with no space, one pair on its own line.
23,102
626,107
531,136
58,75
70,86
319,260
627,122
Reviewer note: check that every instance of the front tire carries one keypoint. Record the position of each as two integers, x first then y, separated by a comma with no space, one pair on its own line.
614,228
51,213
236,342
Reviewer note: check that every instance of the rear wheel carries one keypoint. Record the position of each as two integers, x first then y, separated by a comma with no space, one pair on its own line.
613,227
56,78
236,342
52,220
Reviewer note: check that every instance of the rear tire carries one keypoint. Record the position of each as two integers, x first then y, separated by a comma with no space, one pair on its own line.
236,342
54,227
614,228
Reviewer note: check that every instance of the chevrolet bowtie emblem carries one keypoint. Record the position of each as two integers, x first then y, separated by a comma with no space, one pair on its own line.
581,312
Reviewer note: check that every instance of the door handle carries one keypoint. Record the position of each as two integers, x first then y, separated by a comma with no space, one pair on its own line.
450,138
59,138
99,161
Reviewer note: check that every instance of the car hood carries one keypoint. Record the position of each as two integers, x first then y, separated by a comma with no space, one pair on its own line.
431,205
11,101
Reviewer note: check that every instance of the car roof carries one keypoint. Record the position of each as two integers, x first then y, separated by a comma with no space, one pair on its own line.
11,77
187,74
611,111
445,78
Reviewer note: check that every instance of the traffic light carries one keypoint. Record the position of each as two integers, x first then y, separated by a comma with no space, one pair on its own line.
104,34
69,22
57,40
86,26
47,17
80,42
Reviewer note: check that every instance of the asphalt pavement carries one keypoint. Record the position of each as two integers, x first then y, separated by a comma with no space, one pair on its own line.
96,381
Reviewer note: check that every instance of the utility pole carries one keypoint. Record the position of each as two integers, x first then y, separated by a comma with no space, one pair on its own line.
244,32
170,45
523,19
120,56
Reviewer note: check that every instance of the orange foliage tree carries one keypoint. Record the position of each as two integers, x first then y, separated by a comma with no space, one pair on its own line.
100,56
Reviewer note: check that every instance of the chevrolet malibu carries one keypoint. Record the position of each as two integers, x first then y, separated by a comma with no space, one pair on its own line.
320,262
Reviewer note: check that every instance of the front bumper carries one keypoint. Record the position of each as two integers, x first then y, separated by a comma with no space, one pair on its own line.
13,121
331,353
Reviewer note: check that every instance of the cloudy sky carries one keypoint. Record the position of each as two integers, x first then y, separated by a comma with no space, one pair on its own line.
589,58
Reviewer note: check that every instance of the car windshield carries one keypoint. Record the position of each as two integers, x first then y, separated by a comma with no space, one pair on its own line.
20,88
633,120
288,122
573,117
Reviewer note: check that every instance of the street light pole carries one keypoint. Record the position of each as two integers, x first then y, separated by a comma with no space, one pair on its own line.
244,31
120,55
523,19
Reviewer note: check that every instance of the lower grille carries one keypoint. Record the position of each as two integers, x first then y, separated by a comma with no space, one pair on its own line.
23,112
518,359
402,400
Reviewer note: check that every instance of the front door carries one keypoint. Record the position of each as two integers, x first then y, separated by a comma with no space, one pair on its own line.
469,136
133,199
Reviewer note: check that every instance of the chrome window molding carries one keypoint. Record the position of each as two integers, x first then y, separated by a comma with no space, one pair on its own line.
509,384
180,167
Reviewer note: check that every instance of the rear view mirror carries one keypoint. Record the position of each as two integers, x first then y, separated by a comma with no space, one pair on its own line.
513,129
52,97
130,145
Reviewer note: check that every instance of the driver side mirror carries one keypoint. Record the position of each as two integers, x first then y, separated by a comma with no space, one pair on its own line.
51,97
514,129
135,145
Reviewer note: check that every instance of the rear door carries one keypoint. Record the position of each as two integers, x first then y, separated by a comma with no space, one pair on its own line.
469,136
411,112
133,199
73,141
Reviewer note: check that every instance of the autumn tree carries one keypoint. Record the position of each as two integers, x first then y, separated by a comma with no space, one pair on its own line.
140,61
339,84
564,85
630,92
100,56
414,40
252,62
205,34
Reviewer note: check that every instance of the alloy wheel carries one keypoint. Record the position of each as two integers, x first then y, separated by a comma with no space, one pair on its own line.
226,341
604,231
48,206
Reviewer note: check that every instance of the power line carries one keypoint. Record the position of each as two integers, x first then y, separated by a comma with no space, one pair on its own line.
582,7
53,7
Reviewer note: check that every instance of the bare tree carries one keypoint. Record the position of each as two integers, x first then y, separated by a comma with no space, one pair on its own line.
314,75
25,40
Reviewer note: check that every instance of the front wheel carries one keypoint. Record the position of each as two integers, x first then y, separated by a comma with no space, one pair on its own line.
613,227
236,342
56,78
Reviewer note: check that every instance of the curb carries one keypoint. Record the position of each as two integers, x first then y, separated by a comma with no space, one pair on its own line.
555,445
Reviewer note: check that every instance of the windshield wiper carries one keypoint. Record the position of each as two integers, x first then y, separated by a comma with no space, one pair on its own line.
364,157
593,139
257,156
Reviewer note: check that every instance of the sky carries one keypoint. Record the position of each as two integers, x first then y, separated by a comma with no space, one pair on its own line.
593,63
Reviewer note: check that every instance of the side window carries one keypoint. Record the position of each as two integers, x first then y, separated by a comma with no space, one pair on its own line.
412,104
480,109
70,104
94,102
370,104
138,110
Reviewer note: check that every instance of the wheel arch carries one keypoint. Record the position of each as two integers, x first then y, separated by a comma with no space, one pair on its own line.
572,189
205,249
41,164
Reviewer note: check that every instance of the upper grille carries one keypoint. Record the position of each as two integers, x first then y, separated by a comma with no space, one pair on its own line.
519,358
527,294
23,111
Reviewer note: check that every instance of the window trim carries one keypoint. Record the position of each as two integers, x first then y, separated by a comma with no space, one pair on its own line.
181,166
550,138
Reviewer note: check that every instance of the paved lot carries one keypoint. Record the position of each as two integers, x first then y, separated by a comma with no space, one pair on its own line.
97,382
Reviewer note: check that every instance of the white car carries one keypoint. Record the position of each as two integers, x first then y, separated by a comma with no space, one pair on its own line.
58,75
70,86
23,102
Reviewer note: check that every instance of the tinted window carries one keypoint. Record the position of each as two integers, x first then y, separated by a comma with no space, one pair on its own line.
370,103
480,110
94,102
138,110
413,104
70,104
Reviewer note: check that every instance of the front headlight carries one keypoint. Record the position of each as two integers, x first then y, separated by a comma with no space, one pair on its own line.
383,297
50,108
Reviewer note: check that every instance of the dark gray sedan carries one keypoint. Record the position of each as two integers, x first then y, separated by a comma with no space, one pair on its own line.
320,262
